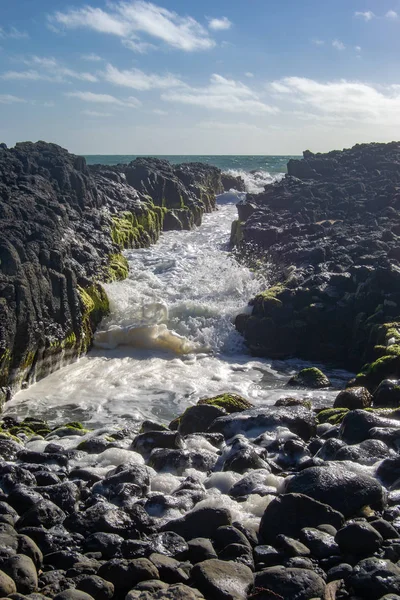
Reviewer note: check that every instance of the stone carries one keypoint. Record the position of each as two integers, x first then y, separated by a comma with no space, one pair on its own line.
358,538
366,453
298,419
148,441
357,424
200,549
22,570
72,594
321,544
201,522
95,586
310,378
222,580
387,394
44,513
290,546
7,585
197,419
289,513
168,568
299,584
125,574
341,488
353,398
372,578
109,544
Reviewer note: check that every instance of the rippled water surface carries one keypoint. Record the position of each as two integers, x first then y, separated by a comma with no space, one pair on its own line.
170,338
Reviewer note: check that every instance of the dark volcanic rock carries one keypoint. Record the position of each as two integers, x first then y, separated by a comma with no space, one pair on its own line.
301,584
63,227
330,231
298,419
202,522
339,487
290,513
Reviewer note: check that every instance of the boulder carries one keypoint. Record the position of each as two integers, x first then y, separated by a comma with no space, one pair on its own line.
289,513
299,584
223,580
298,419
353,398
335,484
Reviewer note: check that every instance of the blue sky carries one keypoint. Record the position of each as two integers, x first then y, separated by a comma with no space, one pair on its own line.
210,77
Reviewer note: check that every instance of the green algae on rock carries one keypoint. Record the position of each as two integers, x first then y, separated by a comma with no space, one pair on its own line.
310,378
230,402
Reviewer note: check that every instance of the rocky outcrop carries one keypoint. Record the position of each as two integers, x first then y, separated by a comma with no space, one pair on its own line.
63,227
330,234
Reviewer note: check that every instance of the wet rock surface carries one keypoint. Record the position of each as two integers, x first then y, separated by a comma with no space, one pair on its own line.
330,232
310,522
63,227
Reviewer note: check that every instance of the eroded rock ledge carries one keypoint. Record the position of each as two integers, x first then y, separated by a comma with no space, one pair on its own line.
331,232
63,226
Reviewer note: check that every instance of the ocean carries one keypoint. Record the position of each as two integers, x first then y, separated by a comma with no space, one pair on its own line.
257,171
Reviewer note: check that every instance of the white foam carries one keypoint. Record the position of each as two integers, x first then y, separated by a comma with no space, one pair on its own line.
117,456
256,181
222,481
165,483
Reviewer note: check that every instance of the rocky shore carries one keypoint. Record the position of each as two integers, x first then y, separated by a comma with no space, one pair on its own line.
63,226
330,233
228,502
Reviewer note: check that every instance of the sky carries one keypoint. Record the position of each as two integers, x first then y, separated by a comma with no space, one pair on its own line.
209,77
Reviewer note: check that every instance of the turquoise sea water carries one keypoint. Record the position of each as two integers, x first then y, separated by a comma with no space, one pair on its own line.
271,164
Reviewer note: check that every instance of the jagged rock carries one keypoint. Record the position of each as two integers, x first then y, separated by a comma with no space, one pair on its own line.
336,301
48,280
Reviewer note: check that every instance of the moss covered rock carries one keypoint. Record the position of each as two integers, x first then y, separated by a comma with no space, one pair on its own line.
310,378
334,416
230,402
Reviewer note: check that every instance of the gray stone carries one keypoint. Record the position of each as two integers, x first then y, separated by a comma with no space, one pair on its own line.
296,584
222,580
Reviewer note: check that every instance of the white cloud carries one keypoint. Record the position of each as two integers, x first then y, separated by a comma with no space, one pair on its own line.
104,99
221,94
357,48
138,80
127,19
13,33
342,100
391,14
221,24
318,42
368,15
249,74
51,71
338,45
9,99
92,57
159,111
137,46
95,113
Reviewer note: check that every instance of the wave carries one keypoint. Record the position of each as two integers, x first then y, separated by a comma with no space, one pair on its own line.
255,181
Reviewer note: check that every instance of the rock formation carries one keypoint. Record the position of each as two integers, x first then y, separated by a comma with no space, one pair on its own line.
330,232
63,226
